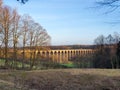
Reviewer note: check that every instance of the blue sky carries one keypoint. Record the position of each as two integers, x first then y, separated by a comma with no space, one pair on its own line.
69,22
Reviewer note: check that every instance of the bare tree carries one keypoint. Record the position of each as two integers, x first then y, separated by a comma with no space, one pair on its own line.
15,34
100,41
15,30
116,37
101,57
110,48
118,55
22,1
39,38
112,5
31,40
1,38
109,39
24,34
5,22
107,50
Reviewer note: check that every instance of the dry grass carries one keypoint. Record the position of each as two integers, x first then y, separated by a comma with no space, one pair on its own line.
61,79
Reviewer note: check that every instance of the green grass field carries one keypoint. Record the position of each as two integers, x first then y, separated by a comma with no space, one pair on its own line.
61,79
19,64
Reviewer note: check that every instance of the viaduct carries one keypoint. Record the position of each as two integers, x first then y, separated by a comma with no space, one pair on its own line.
62,56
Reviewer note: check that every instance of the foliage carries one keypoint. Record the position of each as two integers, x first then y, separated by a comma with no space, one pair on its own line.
69,65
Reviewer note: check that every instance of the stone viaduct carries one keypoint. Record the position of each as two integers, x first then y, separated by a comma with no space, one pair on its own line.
62,56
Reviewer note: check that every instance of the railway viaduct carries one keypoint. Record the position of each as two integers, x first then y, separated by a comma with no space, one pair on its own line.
61,56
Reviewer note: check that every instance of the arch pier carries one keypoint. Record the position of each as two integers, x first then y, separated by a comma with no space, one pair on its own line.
62,56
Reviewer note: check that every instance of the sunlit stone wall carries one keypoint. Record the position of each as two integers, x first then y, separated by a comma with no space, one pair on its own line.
62,56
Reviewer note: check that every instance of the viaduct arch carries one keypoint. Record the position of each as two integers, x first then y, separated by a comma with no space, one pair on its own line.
62,56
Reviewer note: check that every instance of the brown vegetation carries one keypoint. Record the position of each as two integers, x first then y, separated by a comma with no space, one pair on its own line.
107,49
67,79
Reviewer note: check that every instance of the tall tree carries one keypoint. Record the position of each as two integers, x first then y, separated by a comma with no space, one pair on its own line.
102,56
15,34
109,39
39,38
31,41
15,30
5,22
24,34
112,5
107,54
118,55
1,3
1,38
100,41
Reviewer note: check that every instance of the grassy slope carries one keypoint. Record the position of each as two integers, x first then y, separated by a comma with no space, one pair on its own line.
61,79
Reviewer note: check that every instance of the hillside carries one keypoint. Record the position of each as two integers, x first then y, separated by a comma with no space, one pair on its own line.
61,79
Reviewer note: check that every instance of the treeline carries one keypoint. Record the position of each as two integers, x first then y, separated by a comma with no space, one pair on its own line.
107,53
19,31
73,47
